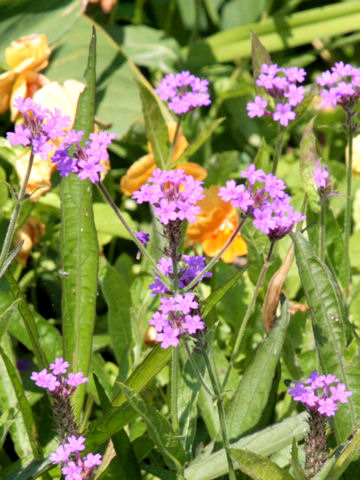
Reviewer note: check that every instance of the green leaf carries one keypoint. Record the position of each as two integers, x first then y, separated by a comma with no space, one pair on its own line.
79,248
309,159
259,56
156,129
107,223
330,325
121,413
343,456
20,18
159,429
210,302
258,467
117,296
251,397
118,104
128,467
194,146
264,442
27,469
24,406
28,320
276,34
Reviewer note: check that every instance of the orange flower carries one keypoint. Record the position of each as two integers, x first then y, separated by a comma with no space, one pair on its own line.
25,57
141,170
106,5
30,233
216,223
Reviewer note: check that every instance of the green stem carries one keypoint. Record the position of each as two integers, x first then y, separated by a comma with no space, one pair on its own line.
140,246
248,312
322,229
278,149
173,143
174,389
216,258
221,411
9,237
347,222
196,369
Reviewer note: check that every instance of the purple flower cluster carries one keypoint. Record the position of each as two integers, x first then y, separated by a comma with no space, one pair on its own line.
177,314
55,381
264,200
84,162
189,267
281,85
340,86
40,127
183,92
319,394
173,194
75,467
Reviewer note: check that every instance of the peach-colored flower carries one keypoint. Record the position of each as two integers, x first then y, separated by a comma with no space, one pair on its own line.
25,57
30,233
141,170
106,5
215,225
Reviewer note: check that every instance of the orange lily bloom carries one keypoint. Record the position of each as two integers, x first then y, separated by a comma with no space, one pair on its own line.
216,223
25,57
141,170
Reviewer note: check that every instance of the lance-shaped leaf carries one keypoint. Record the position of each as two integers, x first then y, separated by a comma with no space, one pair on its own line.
251,397
308,161
79,248
121,413
330,325
159,429
258,467
259,56
264,442
156,129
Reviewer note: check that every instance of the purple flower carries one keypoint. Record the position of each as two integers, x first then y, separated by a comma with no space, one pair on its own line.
257,107
264,200
283,114
170,201
144,238
72,471
61,454
55,382
75,444
340,86
281,85
59,367
39,128
169,337
183,92
75,379
321,176
315,395
85,162
91,460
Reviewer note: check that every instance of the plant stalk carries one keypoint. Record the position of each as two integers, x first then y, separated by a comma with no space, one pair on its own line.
216,258
278,149
248,313
347,222
173,143
140,246
9,237
221,411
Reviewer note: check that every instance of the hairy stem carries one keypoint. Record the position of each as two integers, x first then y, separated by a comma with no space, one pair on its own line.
278,148
347,222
